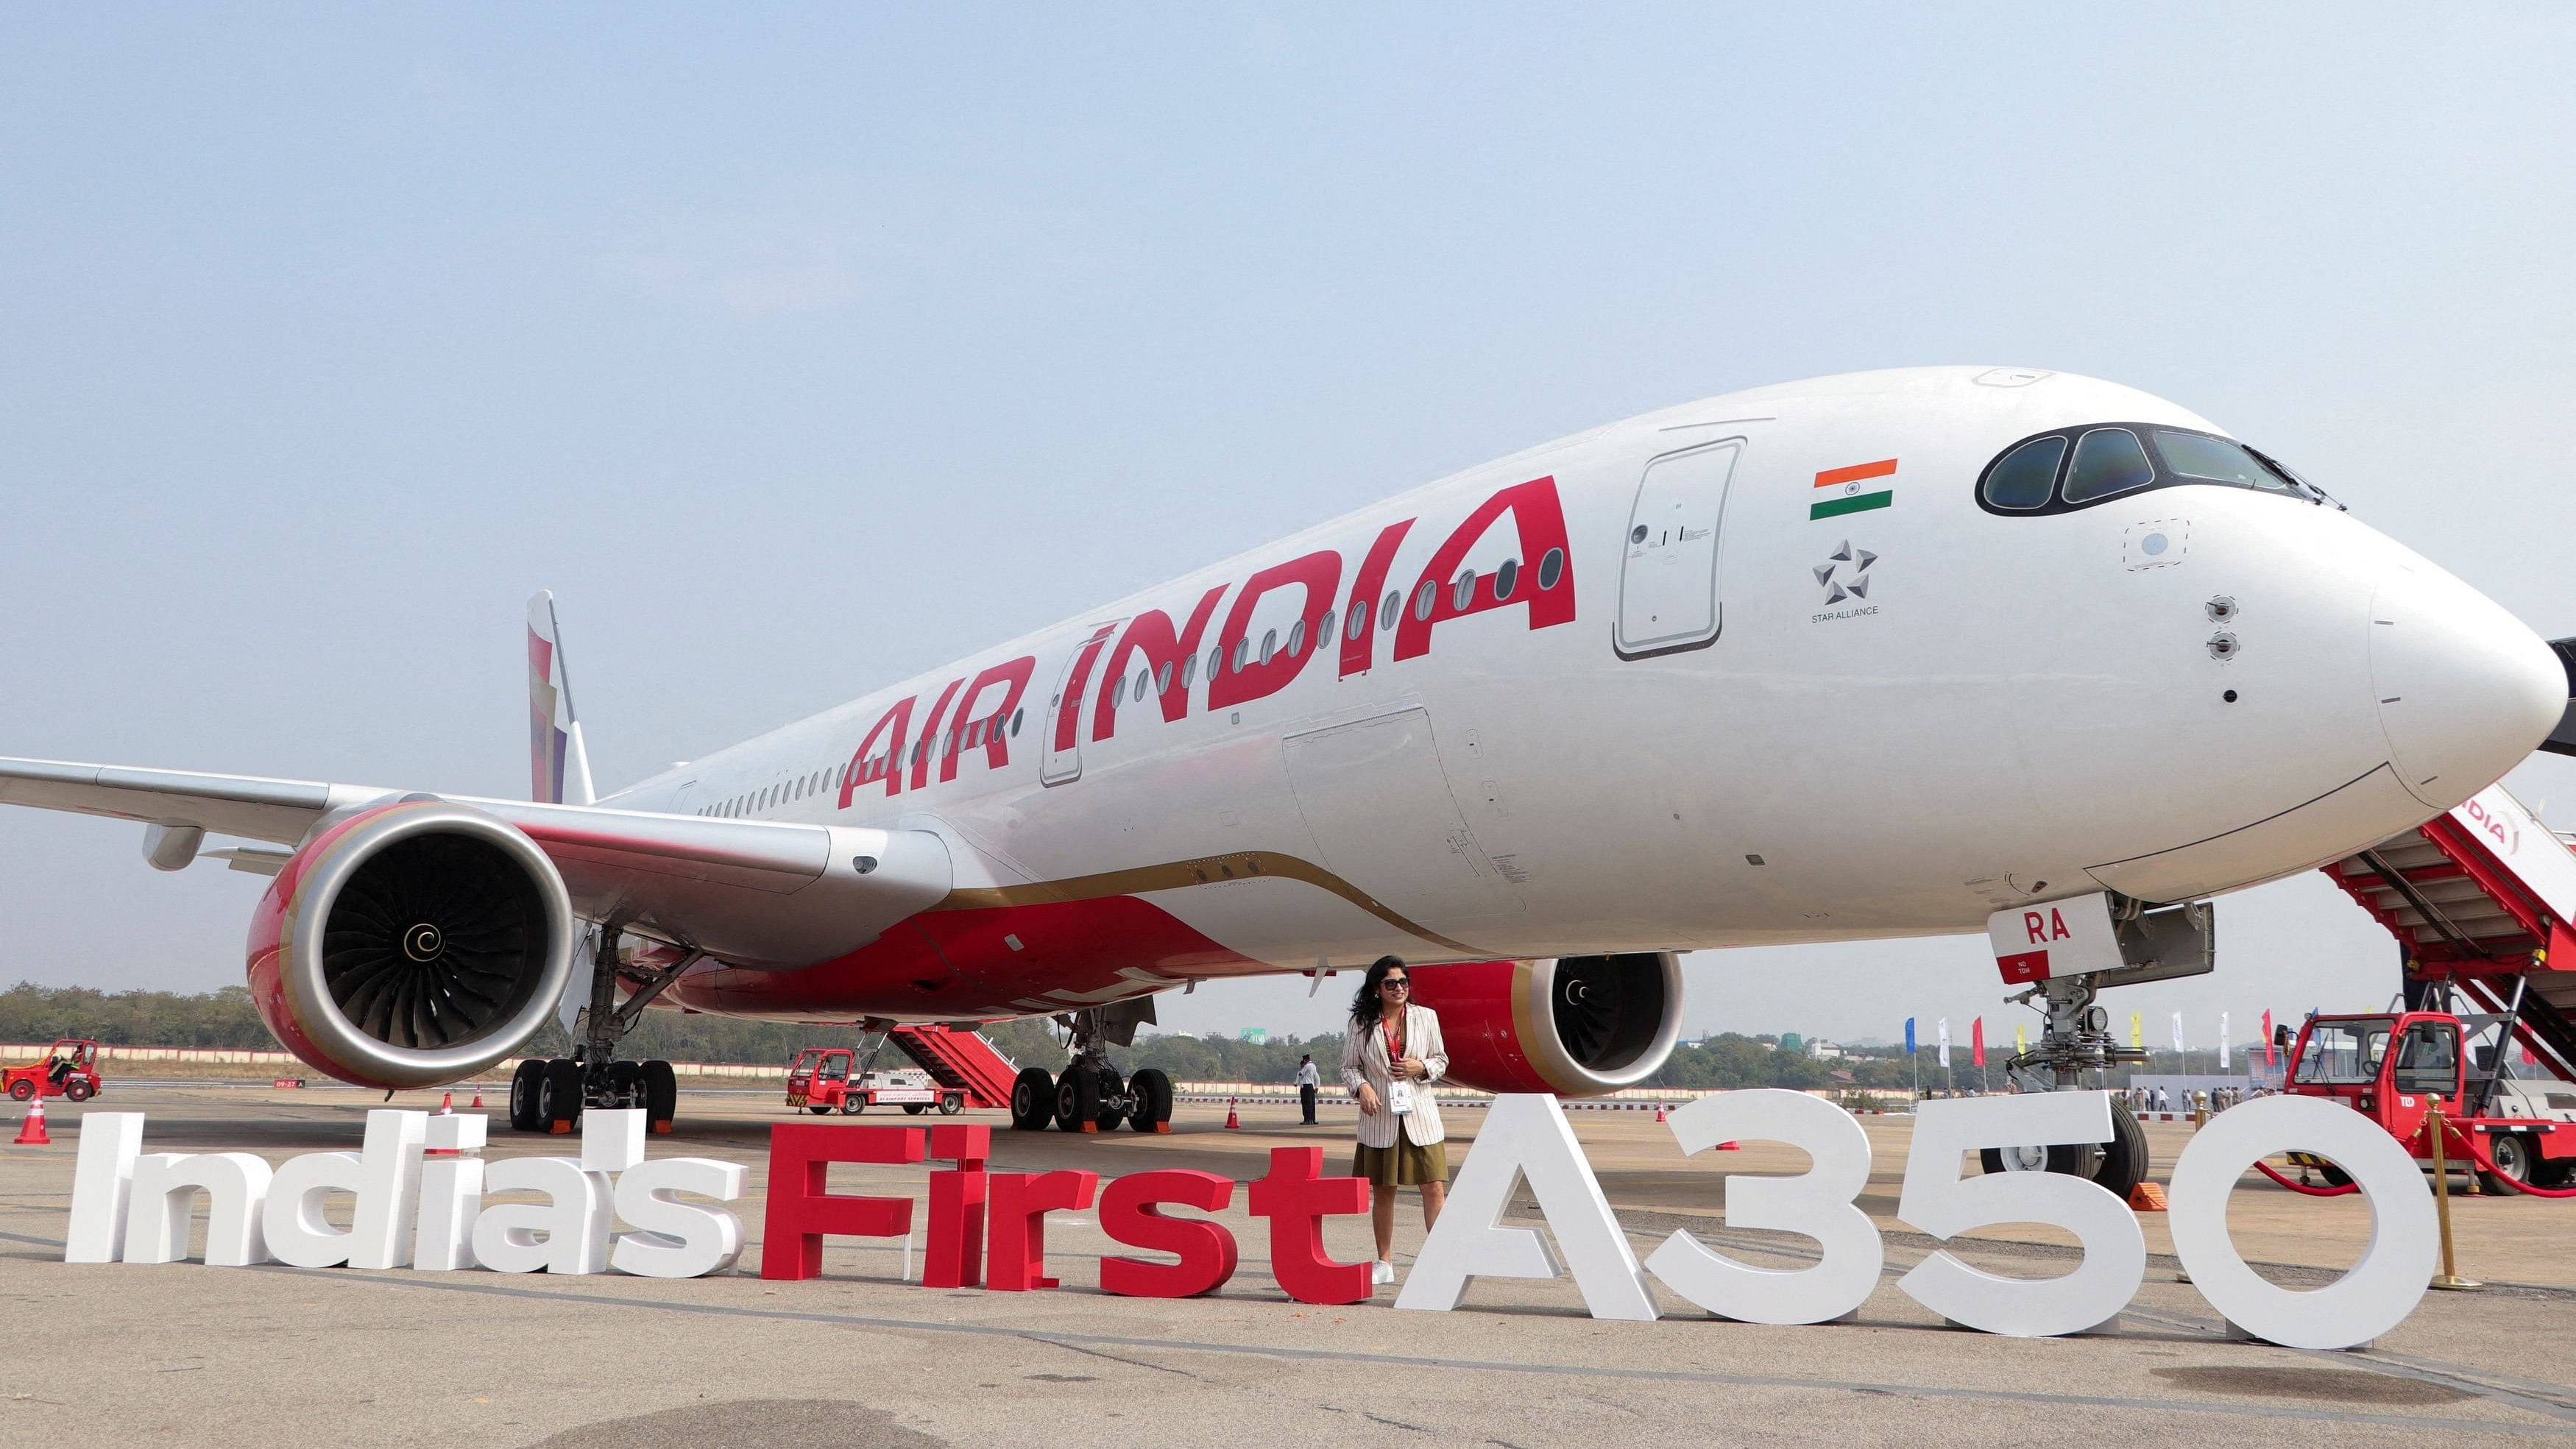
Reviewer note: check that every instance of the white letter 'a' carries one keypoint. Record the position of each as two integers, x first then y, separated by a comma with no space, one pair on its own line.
1526,1136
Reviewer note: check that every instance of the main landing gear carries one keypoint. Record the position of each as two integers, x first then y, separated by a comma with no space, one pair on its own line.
2075,1039
549,1095
1089,1095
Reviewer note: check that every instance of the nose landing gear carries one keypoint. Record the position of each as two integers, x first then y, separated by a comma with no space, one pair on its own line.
2075,1040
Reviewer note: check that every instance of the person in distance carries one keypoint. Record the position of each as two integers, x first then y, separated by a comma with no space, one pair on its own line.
1390,1057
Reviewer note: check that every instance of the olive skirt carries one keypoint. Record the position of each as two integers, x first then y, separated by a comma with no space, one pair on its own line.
1406,1164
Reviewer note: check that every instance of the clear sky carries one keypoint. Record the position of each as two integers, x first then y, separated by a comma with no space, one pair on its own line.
797,349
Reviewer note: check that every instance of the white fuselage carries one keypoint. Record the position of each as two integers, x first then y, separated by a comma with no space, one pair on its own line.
1702,739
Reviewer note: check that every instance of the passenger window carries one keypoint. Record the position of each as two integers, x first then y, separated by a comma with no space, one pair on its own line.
1550,569
1358,624
1242,654
1297,639
1324,629
1163,680
2107,461
2024,477
1463,592
1016,716
1189,671
1269,644
1504,577
2216,460
1422,598
1386,613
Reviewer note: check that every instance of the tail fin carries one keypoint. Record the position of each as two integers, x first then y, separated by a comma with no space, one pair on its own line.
559,767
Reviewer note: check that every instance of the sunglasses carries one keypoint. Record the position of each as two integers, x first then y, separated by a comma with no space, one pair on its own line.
1398,982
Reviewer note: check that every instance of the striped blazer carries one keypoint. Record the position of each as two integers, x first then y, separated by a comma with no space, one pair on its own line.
1364,1060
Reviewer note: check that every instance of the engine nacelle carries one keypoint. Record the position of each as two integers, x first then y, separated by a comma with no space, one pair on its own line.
1576,1026
411,945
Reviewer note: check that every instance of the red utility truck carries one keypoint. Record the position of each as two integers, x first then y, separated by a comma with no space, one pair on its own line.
69,1070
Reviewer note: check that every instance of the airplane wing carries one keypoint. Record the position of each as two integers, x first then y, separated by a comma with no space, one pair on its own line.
753,892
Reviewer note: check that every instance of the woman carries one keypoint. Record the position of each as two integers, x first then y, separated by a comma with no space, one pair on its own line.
1390,1058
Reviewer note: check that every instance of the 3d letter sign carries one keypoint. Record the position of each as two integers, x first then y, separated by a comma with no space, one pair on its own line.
419,1188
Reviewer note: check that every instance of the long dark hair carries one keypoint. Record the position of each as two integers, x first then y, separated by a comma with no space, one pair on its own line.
1365,1005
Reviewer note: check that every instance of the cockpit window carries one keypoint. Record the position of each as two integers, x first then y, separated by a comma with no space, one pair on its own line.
2027,476
2107,461
2216,460
2070,468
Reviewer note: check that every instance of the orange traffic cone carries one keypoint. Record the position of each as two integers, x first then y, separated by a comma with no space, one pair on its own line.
1233,1119
447,1104
478,1099
1659,1111
34,1133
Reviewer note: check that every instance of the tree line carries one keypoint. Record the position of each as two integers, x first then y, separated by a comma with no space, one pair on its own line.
226,1020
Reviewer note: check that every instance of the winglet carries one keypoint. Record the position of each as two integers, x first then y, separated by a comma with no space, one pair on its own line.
559,768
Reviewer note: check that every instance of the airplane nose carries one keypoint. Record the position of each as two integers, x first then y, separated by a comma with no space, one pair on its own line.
2466,692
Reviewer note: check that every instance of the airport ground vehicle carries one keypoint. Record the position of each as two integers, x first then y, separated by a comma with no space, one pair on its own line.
2479,900
69,1070
2516,1133
955,1067
824,1080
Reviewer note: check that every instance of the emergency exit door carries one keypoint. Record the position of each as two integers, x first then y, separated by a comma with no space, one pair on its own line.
1669,576
1062,762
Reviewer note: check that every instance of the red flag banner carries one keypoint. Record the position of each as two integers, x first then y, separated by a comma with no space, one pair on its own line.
1977,1042
2268,1058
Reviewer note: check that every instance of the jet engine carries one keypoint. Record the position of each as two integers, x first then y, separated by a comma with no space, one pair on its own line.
1577,1026
411,944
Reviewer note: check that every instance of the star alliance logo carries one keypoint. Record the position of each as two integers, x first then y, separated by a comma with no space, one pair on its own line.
1853,565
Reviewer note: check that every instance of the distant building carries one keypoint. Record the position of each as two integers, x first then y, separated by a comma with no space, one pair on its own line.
1790,1041
1825,1051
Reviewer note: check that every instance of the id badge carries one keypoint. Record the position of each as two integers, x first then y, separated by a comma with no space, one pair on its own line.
1399,1096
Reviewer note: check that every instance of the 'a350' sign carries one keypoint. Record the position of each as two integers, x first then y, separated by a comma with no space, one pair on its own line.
420,1202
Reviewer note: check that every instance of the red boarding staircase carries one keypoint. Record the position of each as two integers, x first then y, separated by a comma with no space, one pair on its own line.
967,1059
2481,899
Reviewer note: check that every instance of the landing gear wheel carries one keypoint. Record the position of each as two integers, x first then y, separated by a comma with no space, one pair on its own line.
2063,1157
2124,1160
78,1089
1032,1099
1077,1099
661,1096
2512,1155
625,1083
951,1104
915,1109
1152,1089
22,1090
1111,1088
524,1116
559,1095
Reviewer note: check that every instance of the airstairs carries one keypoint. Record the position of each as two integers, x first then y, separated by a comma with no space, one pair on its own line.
2480,899
961,1057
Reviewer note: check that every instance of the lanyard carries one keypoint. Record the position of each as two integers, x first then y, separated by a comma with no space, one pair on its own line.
1394,1043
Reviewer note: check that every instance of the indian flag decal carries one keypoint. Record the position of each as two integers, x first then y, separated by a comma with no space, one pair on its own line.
1856,489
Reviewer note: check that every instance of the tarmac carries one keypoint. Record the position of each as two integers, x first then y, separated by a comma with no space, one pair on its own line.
184,1354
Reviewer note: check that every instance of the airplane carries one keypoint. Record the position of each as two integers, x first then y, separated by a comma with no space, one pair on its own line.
1868,656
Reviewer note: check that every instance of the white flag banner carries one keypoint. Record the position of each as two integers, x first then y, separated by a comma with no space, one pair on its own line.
2178,1046
1945,1041
2222,1041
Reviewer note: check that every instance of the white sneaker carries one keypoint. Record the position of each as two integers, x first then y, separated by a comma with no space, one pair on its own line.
1381,1271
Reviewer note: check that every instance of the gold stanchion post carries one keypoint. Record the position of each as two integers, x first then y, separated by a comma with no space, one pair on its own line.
2434,1125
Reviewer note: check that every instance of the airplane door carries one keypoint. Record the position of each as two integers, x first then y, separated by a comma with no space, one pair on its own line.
1668,578
1378,804
1063,762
